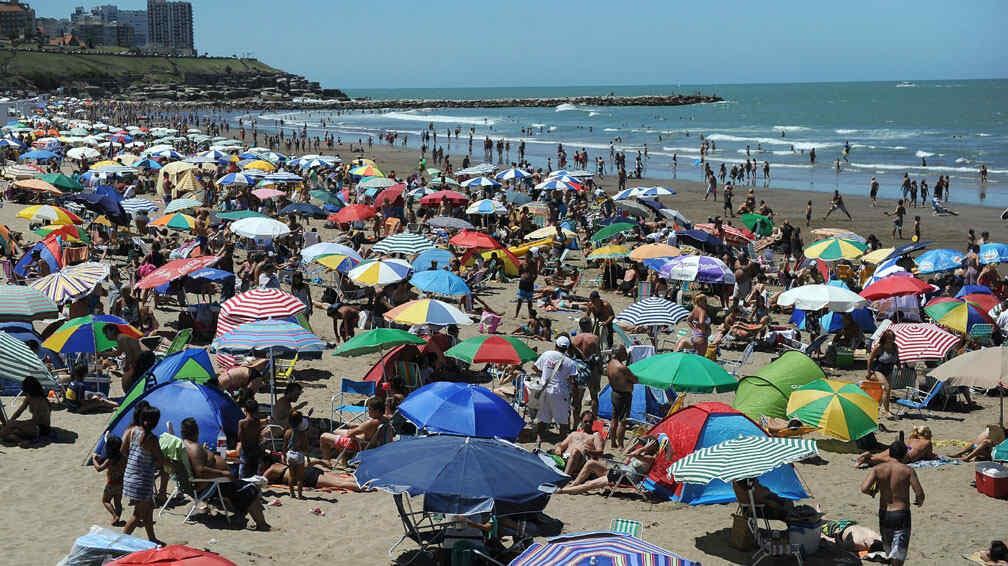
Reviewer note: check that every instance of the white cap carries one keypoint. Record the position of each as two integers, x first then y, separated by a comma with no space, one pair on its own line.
563,342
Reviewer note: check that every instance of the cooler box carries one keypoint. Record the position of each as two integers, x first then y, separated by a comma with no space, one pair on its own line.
992,479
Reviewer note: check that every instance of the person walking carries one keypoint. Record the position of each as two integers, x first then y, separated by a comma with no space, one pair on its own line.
837,204
554,387
143,456
892,480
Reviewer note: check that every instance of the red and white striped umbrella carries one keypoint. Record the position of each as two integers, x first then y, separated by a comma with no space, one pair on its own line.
922,341
252,305
734,234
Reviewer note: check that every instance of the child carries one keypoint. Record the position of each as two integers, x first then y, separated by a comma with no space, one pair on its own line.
808,214
249,433
114,466
917,233
296,439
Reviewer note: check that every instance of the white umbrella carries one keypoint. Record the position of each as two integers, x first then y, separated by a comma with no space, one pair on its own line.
815,297
83,153
259,228
328,248
486,207
377,183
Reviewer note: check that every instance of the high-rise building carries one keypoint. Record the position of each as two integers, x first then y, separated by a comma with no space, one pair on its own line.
17,19
84,23
137,19
170,26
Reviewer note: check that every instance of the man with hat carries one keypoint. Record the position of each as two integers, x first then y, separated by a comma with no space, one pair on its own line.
554,387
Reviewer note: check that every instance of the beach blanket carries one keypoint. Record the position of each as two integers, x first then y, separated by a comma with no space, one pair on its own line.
936,463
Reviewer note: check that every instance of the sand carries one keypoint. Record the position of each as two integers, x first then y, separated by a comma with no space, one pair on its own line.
48,498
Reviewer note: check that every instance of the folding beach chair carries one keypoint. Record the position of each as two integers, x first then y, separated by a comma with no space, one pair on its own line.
626,527
982,333
179,343
286,373
338,404
202,492
918,400
427,530
410,374
733,366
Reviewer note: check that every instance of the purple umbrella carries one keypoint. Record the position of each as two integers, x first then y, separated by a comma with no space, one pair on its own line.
704,269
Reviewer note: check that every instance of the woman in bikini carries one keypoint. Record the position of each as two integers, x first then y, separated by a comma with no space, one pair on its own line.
881,362
700,324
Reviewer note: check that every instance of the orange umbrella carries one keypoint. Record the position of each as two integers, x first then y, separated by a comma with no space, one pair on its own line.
37,185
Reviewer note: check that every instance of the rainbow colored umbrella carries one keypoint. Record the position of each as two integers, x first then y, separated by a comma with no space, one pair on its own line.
427,311
175,220
832,249
366,170
49,213
492,350
382,272
71,283
610,252
956,314
86,334
842,410
338,262
5,240
69,232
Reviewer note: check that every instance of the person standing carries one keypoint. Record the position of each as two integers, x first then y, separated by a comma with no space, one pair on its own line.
586,344
143,456
556,371
873,191
892,480
838,204
897,213
621,381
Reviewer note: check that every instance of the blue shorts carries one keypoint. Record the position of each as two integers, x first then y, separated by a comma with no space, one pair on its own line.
524,295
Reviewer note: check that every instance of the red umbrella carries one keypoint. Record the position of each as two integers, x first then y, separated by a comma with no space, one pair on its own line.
922,341
983,301
390,195
173,555
352,213
453,197
895,286
175,269
474,239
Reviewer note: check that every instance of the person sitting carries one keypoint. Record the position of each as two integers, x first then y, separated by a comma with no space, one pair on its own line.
581,445
78,399
752,326
349,441
982,447
315,477
244,496
751,491
919,447
37,426
599,475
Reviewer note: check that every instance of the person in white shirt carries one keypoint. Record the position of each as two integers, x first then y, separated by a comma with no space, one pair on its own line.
555,396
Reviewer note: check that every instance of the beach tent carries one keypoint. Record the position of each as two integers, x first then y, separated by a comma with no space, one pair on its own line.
192,364
766,391
177,400
509,261
50,251
699,426
648,404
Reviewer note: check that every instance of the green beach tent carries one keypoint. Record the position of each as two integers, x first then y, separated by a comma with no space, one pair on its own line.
766,391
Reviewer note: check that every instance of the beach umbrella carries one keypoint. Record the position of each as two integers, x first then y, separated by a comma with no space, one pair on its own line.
148,164
760,225
993,253
86,334
260,165
236,179
376,183
741,458
267,336
612,231
283,177
427,311
559,184
474,239
37,155
815,297
68,232
136,205
651,251
956,314
190,364
302,209
597,548
212,274
353,213
512,174
480,182
460,475
239,215
421,192
841,409
492,350
934,261
550,232
701,268
61,182
437,197
895,286
49,214
986,368
652,311
175,220
83,153
832,322
366,170
654,192
486,207
432,171
182,204
377,340
973,290
733,234
406,243
325,197
259,228
427,259
267,193
832,249
517,198
984,301
450,223
18,361
633,208
683,372
172,555
328,248
72,282
20,302
174,270
877,256
839,233
258,304
465,409
390,194
922,341
382,272
609,252
440,282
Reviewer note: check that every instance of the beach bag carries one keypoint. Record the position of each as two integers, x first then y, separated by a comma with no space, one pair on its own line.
583,375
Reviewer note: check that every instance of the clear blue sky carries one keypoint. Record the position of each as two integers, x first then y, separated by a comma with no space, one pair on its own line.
448,43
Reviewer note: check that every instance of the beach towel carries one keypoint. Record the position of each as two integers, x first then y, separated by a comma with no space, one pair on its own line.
936,463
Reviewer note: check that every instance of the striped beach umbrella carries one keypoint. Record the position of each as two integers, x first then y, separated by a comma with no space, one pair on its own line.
549,232
486,207
69,232
71,283
651,251
683,372
427,311
597,548
956,314
406,243
377,340
86,334
366,170
18,361
512,174
176,221
381,272
321,249
922,341
49,213
181,204
560,184
440,282
376,183
841,409
18,302
135,205
338,262
741,458
236,179
267,336
832,249
479,183
705,269
609,252
492,350
652,311
257,304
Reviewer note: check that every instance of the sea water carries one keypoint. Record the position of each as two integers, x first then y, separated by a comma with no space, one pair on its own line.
924,128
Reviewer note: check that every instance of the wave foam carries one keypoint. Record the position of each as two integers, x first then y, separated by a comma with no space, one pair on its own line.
922,153
791,128
798,145
440,119
846,131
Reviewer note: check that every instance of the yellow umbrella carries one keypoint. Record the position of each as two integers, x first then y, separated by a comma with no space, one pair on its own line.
877,256
106,163
610,252
649,251
549,231
832,249
261,165
366,170
103,220
176,167
842,410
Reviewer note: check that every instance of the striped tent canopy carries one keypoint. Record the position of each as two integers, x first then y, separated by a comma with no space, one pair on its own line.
71,283
17,362
601,548
406,243
18,302
922,341
741,458
652,311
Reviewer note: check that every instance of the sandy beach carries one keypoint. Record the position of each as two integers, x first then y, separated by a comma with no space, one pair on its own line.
49,498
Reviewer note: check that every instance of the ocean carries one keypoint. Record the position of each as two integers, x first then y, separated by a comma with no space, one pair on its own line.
924,128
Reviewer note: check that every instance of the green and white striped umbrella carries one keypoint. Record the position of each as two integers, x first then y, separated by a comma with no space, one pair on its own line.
406,243
17,362
19,302
741,458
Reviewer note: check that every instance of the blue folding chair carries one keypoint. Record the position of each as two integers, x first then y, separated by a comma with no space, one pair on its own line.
339,407
918,399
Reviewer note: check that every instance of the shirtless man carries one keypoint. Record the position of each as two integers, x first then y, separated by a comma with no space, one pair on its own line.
130,346
621,380
581,445
285,405
349,441
586,344
893,480
602,313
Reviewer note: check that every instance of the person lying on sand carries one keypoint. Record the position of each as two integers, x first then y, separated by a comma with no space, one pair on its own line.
995,555
599,475
982,447
315,477
852,537
919,447
248,376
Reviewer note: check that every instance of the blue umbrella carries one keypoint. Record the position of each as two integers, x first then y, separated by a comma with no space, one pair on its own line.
833,321
38,155
460,475
302,208
237,179
699,236
212,274
970,289
461,408
942,259
517,198
426,259
905,249
147,164
7,142
272,336
440,282
993,253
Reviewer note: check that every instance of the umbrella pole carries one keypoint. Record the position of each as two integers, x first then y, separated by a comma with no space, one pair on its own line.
272,379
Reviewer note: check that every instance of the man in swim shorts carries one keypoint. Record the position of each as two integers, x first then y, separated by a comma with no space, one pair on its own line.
892,481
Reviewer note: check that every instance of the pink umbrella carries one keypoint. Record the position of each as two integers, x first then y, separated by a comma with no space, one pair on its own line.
266,194
175,269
